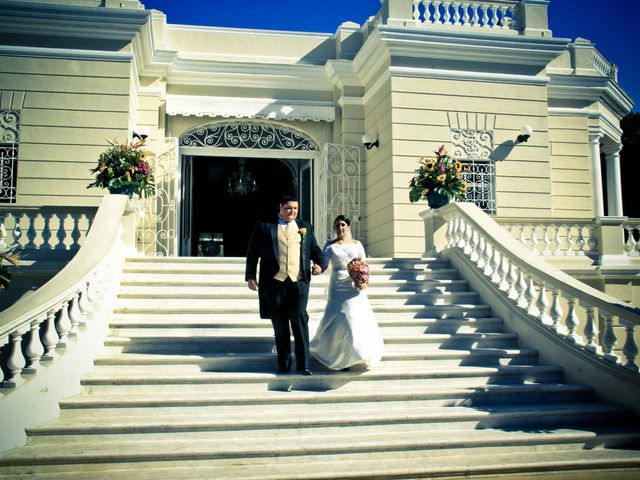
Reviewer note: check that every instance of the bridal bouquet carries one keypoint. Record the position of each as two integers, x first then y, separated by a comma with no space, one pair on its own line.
359,272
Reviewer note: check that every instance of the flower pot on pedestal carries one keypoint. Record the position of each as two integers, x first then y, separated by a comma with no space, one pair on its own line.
437,200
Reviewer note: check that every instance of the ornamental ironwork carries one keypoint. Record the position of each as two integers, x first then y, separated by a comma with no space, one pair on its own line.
342,186
474,148
9,140
257,135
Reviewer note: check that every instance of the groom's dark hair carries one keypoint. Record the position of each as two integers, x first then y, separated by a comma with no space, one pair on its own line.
288,198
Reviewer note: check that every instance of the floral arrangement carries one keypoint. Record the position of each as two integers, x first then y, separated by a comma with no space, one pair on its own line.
442,175
359,272
125,169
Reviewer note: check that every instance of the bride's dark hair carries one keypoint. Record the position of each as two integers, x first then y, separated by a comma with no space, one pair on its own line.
343,218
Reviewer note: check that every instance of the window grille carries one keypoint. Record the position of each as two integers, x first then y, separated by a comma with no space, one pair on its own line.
474,149
9,140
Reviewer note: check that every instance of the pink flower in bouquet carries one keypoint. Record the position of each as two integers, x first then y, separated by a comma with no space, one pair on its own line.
359,272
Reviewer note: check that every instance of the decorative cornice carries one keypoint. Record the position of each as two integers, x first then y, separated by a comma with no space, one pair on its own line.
65,53
71,21
468,76
472,47
591,89
262,108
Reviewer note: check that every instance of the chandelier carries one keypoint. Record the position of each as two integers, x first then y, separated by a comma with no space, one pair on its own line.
241,182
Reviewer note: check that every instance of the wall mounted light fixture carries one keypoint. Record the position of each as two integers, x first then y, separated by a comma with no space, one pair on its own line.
525,133
369,142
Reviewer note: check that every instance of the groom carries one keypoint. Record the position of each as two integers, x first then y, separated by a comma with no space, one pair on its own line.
286,248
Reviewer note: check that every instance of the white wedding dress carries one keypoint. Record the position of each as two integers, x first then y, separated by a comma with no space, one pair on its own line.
348,333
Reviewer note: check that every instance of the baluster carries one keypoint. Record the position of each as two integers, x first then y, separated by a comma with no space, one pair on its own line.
15,361
456,14
436,12
61,234
630,349
609,339
593,243
503,271
543,305
3,341
521,287
3,235
482,253
416,10
447,13
531,296
17,231
521,238
557,239
84,304
510,22
534,240
546,240
580,241
570,242
473,245
77,319
31,231
465,14
466,238
496,260
485,16
63,325
488,264
512,279
572,321
449,234
34,349
76,234
630,244
46,232
591,330
475,20
50,337
556,311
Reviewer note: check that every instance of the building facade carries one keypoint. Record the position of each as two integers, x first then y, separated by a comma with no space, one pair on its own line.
237,117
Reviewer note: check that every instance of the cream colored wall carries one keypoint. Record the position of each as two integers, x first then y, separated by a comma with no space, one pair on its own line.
70,108
425,110
571,169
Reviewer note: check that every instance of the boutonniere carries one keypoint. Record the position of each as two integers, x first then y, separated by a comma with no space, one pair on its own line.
303,232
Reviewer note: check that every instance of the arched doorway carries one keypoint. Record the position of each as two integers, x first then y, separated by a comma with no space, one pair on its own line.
216,217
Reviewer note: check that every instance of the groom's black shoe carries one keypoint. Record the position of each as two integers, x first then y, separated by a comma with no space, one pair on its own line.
284,370
306,372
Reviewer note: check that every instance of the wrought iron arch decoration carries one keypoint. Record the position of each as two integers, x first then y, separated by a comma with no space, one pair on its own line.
243,134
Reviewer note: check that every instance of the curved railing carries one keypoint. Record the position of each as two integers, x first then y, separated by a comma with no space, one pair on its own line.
556,304
38,327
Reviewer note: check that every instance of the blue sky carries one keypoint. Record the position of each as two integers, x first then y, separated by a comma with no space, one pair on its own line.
607,23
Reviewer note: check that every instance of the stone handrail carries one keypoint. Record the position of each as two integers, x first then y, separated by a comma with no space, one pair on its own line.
48,319
45,228
528,17
534,287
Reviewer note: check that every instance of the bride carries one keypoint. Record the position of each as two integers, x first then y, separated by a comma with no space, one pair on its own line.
348,333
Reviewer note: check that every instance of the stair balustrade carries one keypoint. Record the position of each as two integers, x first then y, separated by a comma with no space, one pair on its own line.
39,330
632,237
45,228
586,319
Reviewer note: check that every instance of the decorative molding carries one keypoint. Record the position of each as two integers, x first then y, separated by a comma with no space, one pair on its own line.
65,53
251,135
441,74
237,107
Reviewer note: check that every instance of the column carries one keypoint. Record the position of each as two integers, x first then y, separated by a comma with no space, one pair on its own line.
594,142
614,183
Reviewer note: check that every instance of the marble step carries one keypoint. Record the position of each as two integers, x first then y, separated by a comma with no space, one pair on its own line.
286,442
399,355
205,373
294,389
551,461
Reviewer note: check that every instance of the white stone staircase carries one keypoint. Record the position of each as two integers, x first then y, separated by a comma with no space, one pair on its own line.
185,388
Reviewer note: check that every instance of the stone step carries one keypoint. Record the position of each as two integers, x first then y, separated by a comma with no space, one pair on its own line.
294,389
551,461
400,356
315,306
425,325
264,442
153,374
